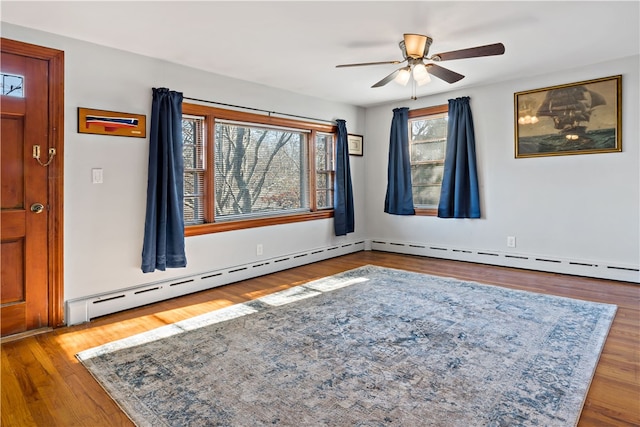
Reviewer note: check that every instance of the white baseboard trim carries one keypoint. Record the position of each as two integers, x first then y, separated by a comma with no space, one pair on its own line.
84,309
576,267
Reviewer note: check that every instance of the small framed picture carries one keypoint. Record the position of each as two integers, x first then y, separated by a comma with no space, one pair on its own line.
103,122
355,144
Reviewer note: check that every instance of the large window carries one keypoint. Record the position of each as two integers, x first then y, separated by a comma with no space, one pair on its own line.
247,170
427,146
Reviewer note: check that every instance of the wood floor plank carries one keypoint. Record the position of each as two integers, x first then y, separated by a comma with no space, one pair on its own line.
31,380
86,389
43,384
15,410
59,390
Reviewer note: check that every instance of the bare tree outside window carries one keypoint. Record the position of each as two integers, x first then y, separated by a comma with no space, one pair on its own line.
259,170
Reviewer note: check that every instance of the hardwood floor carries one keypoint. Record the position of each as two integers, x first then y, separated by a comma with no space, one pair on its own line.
43,384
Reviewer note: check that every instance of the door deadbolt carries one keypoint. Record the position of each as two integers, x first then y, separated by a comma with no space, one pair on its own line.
37,208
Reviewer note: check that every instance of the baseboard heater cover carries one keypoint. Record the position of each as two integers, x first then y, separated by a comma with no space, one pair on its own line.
84,309
586,268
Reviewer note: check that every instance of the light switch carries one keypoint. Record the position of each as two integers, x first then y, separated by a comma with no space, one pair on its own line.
96,176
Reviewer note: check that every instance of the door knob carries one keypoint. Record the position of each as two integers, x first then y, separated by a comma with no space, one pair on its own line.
37,208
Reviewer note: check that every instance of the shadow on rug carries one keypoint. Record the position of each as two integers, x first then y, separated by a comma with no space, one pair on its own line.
368,347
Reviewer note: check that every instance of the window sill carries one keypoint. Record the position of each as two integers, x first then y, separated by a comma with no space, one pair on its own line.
426,211
219,227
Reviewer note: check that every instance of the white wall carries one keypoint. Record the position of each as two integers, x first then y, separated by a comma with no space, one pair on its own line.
583,207
104,223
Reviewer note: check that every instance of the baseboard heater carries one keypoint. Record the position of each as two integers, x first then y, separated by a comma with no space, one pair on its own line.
601,270
84,309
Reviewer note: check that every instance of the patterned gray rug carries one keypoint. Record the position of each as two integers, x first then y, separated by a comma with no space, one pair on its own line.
369,347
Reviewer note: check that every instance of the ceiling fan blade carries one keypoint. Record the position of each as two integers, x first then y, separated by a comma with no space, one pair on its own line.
368,63
387,79
443,73
472,52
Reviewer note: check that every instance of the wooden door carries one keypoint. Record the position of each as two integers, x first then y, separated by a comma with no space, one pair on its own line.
29,299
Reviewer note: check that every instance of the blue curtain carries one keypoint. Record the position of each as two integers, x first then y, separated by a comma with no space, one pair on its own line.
343,216
459,196
163,245
399,198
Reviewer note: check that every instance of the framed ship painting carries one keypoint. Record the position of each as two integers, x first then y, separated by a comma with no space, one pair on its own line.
577,118
103,122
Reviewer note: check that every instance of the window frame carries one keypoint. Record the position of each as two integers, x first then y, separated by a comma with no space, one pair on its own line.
415,114
210,114
330,170
200,172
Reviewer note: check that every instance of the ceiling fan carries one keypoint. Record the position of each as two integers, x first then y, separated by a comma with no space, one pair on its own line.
415,48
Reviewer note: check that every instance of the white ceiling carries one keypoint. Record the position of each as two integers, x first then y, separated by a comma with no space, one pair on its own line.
296,45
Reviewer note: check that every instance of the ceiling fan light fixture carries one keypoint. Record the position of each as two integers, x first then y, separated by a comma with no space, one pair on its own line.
420,72
403,76
415,45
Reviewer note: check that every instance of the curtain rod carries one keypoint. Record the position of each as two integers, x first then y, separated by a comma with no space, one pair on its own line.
258,109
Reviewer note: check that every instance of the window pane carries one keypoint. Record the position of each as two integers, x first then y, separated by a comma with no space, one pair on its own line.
193,184
12,85
192,154
427,174
321,152
325,168
189,156
259,170
189,130
324,198
324,180
427,151
427,139
429,128
426,181
193,210
193,142
426,196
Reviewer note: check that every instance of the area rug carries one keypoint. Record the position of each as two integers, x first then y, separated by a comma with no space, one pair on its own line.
371,346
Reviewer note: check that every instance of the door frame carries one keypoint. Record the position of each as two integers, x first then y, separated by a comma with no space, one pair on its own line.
55,171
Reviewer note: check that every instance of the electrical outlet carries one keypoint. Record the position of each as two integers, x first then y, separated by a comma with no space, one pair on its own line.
511,241
259,249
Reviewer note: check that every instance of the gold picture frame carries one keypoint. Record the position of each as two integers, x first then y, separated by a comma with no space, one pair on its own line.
355,145
577,118
104,122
